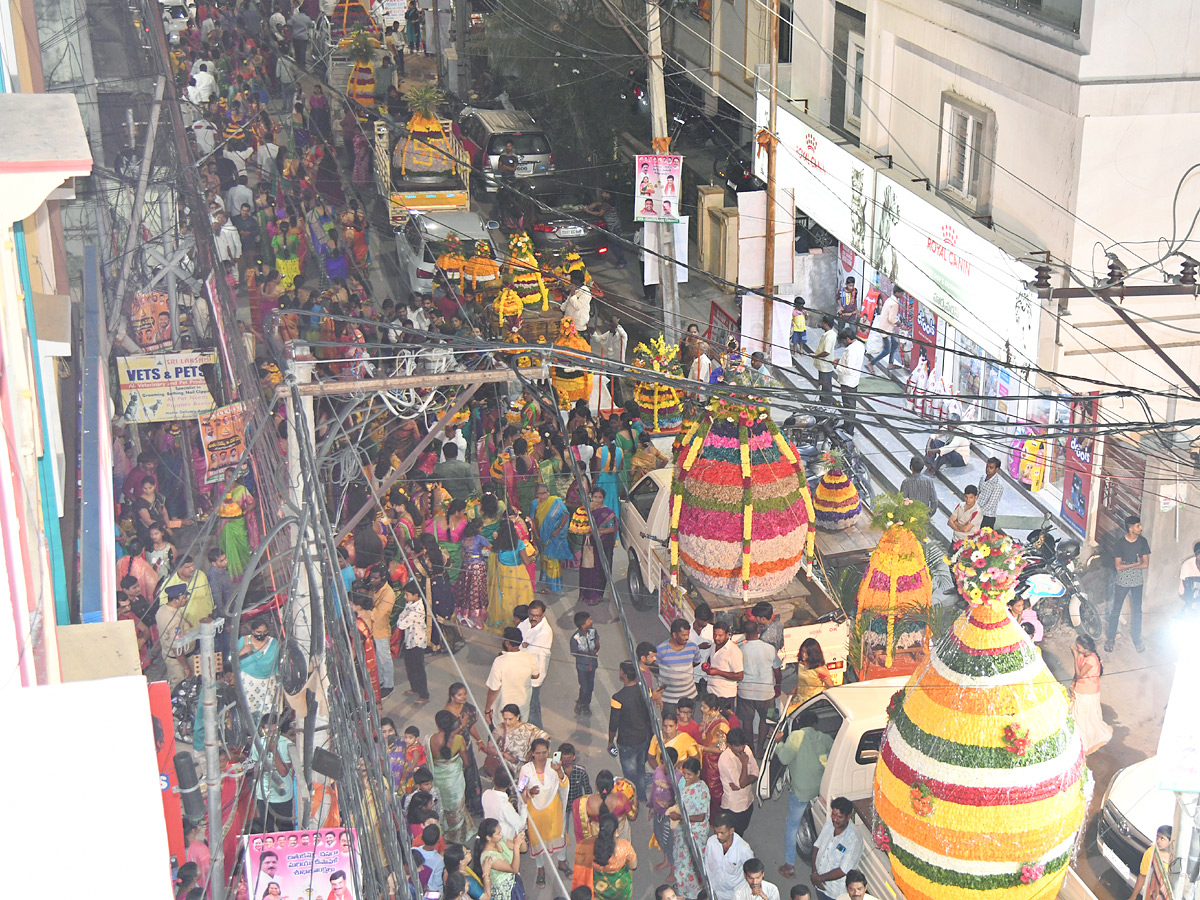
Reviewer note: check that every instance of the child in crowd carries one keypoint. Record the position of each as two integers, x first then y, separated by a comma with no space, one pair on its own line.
799,328
585,647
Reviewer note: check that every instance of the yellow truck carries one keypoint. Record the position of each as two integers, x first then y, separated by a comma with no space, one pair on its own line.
428,188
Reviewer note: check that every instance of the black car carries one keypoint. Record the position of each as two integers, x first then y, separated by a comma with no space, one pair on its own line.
557,216
735,171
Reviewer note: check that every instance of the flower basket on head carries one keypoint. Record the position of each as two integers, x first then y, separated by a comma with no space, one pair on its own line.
452,259
571,384
660,405
578,530
481,270
836,500
894,598
981,781
524,273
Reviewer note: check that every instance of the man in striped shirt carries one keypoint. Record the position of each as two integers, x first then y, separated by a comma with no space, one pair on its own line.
990,491
675,660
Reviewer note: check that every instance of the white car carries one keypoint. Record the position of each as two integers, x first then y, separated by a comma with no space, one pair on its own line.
175,15
421,241
1133,809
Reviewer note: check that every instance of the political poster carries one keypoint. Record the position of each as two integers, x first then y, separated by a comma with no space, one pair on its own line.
164,387
657,187
223,438
320,863
150,320
164,748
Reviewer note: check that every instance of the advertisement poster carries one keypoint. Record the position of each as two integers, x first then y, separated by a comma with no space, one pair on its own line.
150,320
924,334
223,438
164,387
657,184
164,749
295,864
670,607
1079,461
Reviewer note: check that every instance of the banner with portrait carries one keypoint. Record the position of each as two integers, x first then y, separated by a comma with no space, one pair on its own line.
657,186
223,439
296,864
150,320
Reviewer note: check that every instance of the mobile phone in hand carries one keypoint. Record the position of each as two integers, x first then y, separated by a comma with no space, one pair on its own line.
522,784
556,757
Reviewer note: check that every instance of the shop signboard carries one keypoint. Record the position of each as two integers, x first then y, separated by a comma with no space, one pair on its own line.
164,387
829,183
319,862
657,185
942,262
1079,463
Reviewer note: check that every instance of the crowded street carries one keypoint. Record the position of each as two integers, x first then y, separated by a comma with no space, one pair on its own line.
514,464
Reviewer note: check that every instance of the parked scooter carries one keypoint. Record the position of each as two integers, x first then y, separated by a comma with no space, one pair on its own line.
813,435
1050,586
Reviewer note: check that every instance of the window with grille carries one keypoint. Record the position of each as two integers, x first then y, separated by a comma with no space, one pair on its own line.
967,146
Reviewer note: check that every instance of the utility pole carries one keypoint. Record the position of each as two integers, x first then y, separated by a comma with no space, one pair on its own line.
462,25
437,32
769,274
662,145
212,757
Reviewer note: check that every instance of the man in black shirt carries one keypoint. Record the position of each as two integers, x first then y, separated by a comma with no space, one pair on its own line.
506,165
629,728
1131,557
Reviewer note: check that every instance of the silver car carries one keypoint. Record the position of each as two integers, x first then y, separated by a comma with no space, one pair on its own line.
421,241
485,133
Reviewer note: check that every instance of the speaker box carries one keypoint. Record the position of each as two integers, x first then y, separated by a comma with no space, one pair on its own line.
325,763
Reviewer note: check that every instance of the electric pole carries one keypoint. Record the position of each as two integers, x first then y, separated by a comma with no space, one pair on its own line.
769,274
212,757
662,145
462,25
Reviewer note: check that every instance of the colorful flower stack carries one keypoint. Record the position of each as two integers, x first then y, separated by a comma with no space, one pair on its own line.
452,259
659,404
981,788
836,499
571,384
740,512
481,268
896,592
508,307
578,530
572,262
525,272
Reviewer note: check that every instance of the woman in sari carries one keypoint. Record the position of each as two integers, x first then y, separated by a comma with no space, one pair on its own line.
234,537
626,438
491,514
456,863
499,862
585,816
448,527
521,476
609,467
514,738
258,661
448,756
1085,695
692,814
556,466
812,676
468,718
713,728
471,588
547,785
592,581
508,578
613,862
551,518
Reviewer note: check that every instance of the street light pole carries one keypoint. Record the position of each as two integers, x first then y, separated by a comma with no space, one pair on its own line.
212,757
662,145
768,294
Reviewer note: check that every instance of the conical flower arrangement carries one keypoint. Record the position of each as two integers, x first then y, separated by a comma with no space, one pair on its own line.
896,592
525,271
659,404
741,513
571,384
981,788
835,499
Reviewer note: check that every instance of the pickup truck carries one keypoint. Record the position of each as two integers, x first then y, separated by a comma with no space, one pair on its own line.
804,606
855,716
447,190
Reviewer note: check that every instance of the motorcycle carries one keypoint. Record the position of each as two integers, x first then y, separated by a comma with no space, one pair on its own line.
1050,585
813,435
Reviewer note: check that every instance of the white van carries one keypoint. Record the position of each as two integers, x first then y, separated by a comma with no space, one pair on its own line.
422,240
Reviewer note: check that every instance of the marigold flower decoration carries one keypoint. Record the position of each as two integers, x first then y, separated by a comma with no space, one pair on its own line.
922,798
986,564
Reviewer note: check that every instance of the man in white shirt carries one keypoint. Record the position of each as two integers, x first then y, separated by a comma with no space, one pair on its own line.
578,306
205,133
949,448
276,25
206,85
967,518
724,668
738,771
725,854
537,640
837,850
229,242
265,157
511,677
856,887
702,635
849,372
885,323
239,195
497,805
823,358
762,673
701,368
756,886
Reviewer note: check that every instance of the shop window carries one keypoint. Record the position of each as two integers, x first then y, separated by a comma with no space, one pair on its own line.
856,56
785,32
965,156
849,70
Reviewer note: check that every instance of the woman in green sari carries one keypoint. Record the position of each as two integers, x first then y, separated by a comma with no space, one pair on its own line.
613,862
233,537
447,757
491,514
551,517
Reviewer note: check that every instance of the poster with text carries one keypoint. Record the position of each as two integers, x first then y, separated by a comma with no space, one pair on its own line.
150,320
223,437
297,864
164,748
1079,464
657,185
164,387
